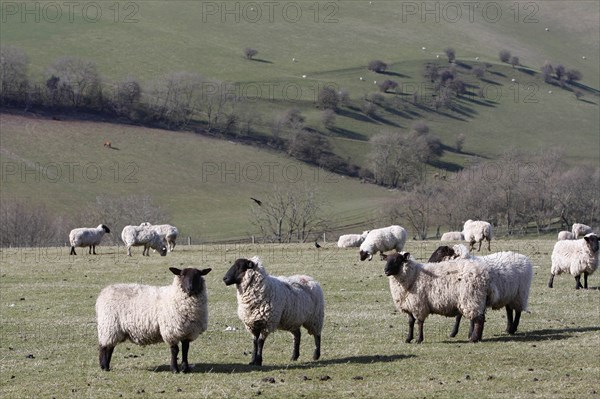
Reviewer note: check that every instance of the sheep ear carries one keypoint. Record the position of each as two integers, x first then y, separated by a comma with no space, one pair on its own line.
406,256
250,265
204,272
175,271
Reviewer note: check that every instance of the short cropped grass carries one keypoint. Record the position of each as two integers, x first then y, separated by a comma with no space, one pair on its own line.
48,343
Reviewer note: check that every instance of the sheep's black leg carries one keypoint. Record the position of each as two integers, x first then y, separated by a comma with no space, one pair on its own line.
259,342
420,337
471,326
94,250
551,281
174,353
471,245
515,322
489,244
479,249
477,329
411,328
317,353
185,347
585,274
72,251
296,352
90,250
456,326
509,320
578,282
105,356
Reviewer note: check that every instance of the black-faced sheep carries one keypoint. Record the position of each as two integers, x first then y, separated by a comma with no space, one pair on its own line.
381,240
87,237
576,257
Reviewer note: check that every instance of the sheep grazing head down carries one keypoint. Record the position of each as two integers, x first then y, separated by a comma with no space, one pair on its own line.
190,279
592,242
364,255
394,263
236,272
105,228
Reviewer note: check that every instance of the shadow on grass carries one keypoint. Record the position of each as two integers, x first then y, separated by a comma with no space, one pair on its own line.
229,368
536,335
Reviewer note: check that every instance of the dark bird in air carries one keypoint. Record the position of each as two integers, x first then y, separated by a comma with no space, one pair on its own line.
259,202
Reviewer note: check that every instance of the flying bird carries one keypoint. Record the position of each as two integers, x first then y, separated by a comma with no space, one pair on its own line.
259,202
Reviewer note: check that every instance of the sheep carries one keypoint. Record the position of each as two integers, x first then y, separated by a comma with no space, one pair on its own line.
134,236
477,231
452,236
580,229
576,257
381,240
148,315
268,303
510,281
167,232
565,235
351,240
108,144
448,288
87,237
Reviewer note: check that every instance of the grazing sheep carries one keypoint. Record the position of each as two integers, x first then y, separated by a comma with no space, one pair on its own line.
351,240
580,229
167,232
148,315
452,236
565,235
381,240
448,288
87,237
267,303
510,281
134,236
477,231
575,257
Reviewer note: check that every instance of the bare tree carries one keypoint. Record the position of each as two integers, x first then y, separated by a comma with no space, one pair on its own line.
76,81
450,53
479,72
460,142
514,61
24,224
377,66
547,71
573,75
13,73
328,118
387,85
328,98
504,55
249,52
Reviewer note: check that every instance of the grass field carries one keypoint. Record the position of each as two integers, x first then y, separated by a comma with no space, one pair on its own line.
48,343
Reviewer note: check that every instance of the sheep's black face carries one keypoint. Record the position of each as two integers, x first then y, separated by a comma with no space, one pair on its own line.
162,250
105,228
364,255
394,263
236,272
592,242
443,252
191,279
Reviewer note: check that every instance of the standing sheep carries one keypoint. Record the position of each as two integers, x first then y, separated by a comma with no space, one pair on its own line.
148,315
448,288
575,257
87,237
580,229
565,235
477,231
267,303
510,281
167,232
351,240
381,240
134,236
452,236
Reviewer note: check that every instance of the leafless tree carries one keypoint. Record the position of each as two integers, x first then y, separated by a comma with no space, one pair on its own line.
514,61
249,52
13,73
377,66
76,81
504,55
450,53
328,98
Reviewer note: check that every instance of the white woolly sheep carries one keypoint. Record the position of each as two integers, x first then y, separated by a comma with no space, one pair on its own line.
381,240
87,237
510,281
351,240
148,315
565,235
477,231
580,229
167,232
134,236
268,303
452,236
448,288
576,257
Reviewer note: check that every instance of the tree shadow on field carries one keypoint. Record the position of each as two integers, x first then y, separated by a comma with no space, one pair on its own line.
228,368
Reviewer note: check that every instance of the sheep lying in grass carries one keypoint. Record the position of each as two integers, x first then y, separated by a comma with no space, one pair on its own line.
267,303
147,315
167,232
87,237
452,236
510,281
134,236
576,257
477,231
448,288
381,240
351,240
565,235
579,230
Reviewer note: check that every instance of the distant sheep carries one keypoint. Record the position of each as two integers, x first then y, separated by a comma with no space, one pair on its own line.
580,229
87,237
477,231
565,235
134,236
448,288
381,240
351,240
147,315
267,303
167,232
108,144
576,257
452,236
